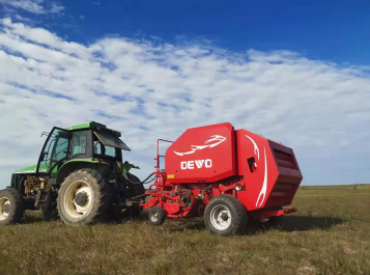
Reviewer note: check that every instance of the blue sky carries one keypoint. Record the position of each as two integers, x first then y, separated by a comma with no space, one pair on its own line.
293,71
333,30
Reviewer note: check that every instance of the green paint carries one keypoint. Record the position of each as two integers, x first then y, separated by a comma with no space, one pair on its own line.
89,125
32,169
93,126
126,167
83,160
44,168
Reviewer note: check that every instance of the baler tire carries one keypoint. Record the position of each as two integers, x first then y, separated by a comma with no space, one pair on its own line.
161,215
239,217
16,206
100,191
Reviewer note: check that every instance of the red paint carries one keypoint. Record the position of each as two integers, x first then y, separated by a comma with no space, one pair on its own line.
205,170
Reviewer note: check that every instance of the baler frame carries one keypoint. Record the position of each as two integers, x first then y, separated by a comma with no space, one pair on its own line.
158,155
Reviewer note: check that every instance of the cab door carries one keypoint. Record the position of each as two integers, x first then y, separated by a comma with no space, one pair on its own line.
54,151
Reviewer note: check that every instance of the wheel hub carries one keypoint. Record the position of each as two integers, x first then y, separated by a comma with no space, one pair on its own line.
224,217
81,198
154,216
6,209
220,217
78,199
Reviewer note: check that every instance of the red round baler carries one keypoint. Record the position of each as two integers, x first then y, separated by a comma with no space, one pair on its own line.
227,176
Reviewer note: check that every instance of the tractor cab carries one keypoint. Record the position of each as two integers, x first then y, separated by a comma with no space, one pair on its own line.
85,142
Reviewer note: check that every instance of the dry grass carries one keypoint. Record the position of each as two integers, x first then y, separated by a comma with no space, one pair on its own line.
329,235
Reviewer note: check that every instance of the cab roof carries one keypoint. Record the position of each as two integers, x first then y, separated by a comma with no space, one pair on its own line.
93,126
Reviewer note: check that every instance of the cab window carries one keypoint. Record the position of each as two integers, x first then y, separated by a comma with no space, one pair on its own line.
110,151
79,143
103,150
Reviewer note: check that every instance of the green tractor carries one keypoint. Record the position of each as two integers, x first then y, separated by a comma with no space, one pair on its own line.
79,176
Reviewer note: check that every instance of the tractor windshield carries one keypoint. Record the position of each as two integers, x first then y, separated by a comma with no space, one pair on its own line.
55,149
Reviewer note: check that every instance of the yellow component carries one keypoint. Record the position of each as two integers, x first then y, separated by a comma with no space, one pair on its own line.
172,176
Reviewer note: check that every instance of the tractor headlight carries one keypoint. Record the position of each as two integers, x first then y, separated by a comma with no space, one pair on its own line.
238,187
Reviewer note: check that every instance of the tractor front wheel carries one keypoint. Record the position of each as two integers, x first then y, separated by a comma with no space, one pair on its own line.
83,198
225,215
11,207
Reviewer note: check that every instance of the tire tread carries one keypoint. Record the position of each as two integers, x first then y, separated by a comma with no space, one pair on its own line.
15,215
101,190
239,221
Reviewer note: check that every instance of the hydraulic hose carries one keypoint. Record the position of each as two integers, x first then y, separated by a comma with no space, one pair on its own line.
148,178
126,175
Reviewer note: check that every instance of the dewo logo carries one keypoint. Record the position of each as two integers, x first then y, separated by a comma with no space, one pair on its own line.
207,163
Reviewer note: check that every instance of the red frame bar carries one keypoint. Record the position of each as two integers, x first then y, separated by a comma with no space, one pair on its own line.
158,156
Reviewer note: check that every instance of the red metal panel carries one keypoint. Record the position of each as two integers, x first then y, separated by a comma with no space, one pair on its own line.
202,154
263,215
276,178
260,180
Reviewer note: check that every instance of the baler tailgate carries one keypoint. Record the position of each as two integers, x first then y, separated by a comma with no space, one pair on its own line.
289,177
284,159
282,189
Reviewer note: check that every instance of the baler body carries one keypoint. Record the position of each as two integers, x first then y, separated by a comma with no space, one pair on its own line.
205,154
205,162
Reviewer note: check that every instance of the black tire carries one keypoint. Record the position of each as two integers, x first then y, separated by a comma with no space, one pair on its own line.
51,211
137,190
100,203
14,206
136,211
237,211
50,214
137,185
157,215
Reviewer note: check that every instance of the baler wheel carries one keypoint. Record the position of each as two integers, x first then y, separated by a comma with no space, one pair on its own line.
225,215
157,215
11,206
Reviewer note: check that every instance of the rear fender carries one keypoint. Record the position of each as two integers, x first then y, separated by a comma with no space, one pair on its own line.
74,165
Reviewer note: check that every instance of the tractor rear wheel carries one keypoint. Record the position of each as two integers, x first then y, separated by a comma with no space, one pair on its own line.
84,198
11,206
225,215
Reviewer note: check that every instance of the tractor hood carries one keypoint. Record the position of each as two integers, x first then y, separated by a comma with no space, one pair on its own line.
32,169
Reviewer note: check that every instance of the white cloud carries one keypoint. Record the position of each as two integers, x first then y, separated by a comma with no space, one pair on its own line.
23,19
318,108
34,6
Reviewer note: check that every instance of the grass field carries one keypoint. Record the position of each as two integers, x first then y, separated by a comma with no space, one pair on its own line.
330,234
